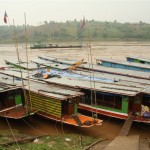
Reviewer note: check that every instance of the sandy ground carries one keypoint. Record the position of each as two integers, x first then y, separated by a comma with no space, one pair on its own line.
113,50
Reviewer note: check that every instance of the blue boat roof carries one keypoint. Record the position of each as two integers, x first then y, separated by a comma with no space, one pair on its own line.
145,66
139,58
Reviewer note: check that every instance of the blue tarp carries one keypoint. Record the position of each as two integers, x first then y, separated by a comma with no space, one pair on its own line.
69,74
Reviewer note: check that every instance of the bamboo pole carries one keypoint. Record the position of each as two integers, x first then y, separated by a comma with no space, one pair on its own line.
27,60
17,51
90,59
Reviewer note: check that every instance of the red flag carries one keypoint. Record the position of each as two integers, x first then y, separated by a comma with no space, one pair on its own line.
83,23
5,17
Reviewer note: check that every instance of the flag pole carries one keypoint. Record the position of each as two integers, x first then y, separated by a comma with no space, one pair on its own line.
90,59
17,51
26,45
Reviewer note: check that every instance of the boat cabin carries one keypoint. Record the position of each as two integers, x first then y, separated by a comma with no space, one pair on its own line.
117,105
10,97
58,103
12,102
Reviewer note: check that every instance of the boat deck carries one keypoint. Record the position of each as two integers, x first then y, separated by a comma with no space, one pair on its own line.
85,120
17,112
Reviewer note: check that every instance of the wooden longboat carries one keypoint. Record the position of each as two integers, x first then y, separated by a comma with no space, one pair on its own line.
138,60
123,65
116,99
52,65
23,65
133,76
59,64
58,60
60,104
50,46
12,102
55,102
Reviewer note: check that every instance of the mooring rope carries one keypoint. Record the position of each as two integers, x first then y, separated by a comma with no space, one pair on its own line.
56,127
62,128
12,133
34,127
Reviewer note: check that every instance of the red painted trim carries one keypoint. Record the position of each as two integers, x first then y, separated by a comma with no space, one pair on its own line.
48,116
103,112
111,114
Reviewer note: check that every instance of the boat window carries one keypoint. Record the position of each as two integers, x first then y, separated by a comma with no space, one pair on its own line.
137,100
103,99
64,107
109,101
146,101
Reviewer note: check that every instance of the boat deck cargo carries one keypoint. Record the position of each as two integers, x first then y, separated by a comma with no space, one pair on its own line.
97,68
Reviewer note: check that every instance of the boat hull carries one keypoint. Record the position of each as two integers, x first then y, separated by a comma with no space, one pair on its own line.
114,114
70,121
46,47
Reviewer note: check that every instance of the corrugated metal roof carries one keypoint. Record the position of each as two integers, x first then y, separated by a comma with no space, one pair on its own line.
48,90
31,66
115,77
53,91
126,72
54,59
110,88
146,90
125,88
7,87
77,82
50,64
133,73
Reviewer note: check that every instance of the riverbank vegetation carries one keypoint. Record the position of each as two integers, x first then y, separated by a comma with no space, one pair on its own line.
51,31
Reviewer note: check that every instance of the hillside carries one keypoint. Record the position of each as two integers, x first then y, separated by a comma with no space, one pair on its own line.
72,31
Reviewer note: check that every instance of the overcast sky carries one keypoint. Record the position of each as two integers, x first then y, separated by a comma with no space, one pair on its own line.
61,10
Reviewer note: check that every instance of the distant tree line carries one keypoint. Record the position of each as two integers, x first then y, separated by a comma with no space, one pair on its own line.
51,31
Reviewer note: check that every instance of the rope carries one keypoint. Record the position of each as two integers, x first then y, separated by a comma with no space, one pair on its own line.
90,82
46,111
12,133
62,128
34,128
56,127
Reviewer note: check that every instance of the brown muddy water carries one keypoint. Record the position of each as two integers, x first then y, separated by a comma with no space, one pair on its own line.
111,126
39,126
